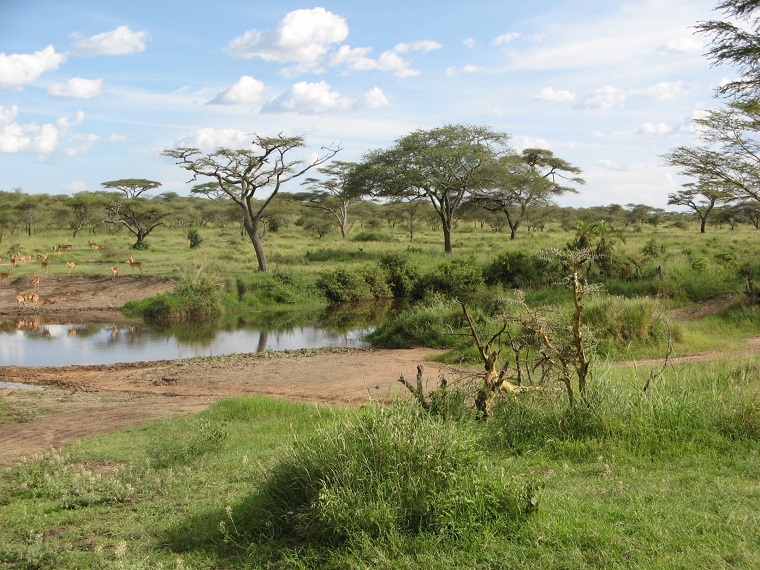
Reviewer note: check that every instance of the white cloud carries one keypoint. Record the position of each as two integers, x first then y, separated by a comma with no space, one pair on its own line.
469,43
551,94
357,59
120,41
505,38
422,45
654,129
210,139
246,90
532,142
605,98
308,98
77,88
373,99
115,139
302,36
663,91
44,139
19,69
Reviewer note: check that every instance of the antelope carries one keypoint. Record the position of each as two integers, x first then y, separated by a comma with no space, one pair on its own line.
13,260
114,272
133,264
45,263
35,300
71,266
93,245
20,300
48,301
62,246
42,256
4,277
36,283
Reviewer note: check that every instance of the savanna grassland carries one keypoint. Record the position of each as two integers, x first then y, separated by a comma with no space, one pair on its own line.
657,466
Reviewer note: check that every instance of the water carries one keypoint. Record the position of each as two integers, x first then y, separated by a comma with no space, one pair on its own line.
64,342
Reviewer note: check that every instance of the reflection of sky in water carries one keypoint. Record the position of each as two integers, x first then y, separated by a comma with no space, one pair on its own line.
65,345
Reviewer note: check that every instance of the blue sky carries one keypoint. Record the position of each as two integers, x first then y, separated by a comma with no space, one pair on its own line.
94,90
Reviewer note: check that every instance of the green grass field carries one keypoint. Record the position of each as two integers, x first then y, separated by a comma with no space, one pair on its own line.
663,478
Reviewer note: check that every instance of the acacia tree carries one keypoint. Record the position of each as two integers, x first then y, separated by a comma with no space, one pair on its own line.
700,198
729,156
242,173
529,180
443,165
138,215
331,194
736,45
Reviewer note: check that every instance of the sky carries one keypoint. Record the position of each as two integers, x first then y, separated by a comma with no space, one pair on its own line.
94,90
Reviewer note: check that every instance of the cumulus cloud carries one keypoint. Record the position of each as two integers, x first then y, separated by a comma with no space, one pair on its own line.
358,59
551,94
308,98
19,69
302,37
469,43
605,98
77,88
120,41
210,139
317,98
663,91
42,139
246,90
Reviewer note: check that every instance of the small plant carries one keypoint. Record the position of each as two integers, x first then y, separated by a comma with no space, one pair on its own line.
195,238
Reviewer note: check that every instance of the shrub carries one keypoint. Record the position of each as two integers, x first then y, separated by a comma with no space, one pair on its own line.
372,236
453,278
401,275
517,270
620,321
195,238
342,285
387,472
427,323
193,300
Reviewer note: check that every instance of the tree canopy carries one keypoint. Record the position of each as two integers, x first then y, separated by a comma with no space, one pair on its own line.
243,174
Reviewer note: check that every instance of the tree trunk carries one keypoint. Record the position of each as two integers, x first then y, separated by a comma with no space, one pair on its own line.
447,236
702,222
251,225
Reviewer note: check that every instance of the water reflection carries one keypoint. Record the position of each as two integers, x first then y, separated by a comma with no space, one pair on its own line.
41,341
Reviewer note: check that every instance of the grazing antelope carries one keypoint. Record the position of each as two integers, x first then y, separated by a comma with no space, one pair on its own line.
133,264
20,300
45,263
36,283
71,265
42,256
48,301
62,246
114,272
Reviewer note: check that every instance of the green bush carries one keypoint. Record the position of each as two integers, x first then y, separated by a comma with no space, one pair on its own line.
195,238
193,300
517,270
372,236
455,278
387,472
427,323
401,274
340,285
619,321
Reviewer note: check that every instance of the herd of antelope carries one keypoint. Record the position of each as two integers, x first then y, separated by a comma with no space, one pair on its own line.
33,297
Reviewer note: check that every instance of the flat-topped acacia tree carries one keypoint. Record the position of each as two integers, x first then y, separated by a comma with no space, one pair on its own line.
240,174
138,215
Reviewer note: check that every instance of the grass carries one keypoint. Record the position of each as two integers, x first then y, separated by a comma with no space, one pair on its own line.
665,479
669,478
